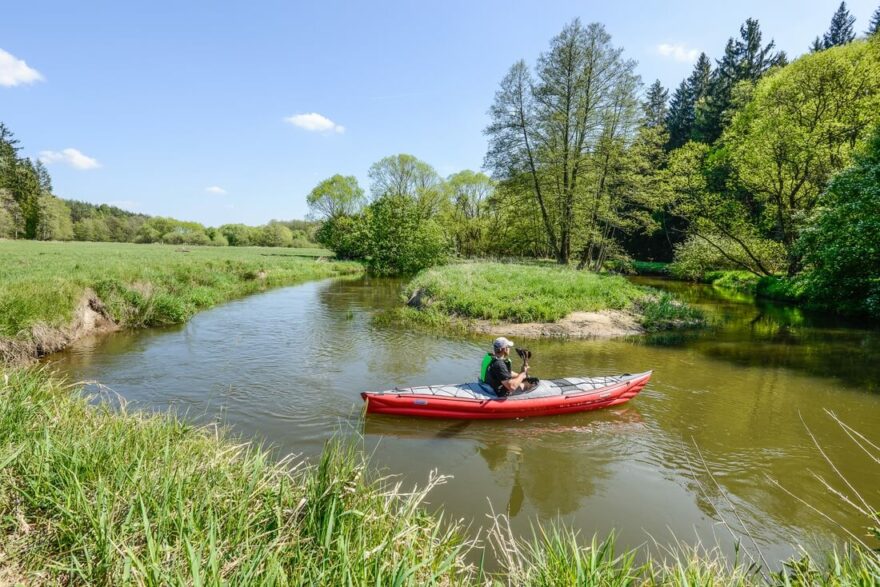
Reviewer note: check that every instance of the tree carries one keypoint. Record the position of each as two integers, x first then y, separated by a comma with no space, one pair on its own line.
467,218
655,107
239,235
718,222
336,196
817,45
841,30
840,247
402,240
276,234
559,136
802,126
11,217
54,220
682,110
405,175
745,59
874,25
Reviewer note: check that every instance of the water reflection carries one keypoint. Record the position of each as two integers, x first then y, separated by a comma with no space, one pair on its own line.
287,366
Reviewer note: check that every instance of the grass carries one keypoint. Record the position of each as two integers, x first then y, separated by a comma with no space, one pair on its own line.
532,293
42,283
97,497
90,495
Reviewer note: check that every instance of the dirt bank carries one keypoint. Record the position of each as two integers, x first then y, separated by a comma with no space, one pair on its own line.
89,317
602,324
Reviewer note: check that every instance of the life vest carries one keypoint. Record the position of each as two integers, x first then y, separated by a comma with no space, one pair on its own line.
487,360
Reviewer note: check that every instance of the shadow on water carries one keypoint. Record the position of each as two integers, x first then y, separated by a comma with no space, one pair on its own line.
761,333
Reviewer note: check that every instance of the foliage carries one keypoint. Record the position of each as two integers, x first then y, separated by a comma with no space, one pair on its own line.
841,30
347,236
842,246
406,176
700,254
682,110
402,241
746,59
275,234
802,126
562,136
336,196
468,215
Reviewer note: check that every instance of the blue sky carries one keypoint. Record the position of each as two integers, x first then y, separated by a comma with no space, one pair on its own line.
150,105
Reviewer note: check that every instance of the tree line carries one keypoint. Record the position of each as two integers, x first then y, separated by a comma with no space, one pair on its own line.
729,172
29,210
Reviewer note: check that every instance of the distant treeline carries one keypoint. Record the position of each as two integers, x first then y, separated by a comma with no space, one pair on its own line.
28,210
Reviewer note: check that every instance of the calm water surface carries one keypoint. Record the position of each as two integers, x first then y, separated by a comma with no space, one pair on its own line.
735,400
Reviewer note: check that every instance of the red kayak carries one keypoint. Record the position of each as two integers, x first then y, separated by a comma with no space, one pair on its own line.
478,401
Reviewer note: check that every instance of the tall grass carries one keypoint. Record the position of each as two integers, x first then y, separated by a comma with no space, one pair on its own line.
42,283
91,496
533,293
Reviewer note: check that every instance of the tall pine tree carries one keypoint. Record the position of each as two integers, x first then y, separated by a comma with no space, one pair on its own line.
874,25
682,108
841,30
745,59
654,107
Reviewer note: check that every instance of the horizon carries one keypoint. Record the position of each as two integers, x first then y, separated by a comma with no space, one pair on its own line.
234,115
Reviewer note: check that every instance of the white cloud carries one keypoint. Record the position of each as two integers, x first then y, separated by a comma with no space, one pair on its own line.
314,122
70,156
14,71
678,51
216,189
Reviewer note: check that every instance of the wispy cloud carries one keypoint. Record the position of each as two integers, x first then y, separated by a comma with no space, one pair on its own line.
678,52
216,189
69,156
314,122
15,72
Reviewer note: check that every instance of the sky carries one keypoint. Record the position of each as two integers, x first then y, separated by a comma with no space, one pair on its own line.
225,112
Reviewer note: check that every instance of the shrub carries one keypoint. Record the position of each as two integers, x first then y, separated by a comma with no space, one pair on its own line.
696,256
842,246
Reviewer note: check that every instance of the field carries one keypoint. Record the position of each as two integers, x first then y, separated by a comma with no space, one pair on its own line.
43,285
534,293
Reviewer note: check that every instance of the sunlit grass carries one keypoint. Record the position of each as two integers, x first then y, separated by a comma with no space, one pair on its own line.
42,282
93,495
531,293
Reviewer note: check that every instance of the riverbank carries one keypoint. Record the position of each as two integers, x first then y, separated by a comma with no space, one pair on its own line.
535,301
52,294
90,494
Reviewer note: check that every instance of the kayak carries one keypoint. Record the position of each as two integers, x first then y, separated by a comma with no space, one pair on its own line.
478,401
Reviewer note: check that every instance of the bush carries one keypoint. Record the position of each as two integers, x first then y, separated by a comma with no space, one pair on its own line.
391,236
402,241
695,256
842,246
346,236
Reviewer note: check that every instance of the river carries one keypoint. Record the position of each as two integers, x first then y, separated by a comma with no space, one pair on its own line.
717,446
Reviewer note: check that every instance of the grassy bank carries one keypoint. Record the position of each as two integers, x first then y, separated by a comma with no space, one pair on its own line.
89,495
534,293
50,292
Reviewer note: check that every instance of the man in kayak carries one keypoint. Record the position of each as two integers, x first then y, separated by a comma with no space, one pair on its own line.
497,373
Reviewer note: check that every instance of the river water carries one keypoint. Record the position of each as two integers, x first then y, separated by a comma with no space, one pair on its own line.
716,448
